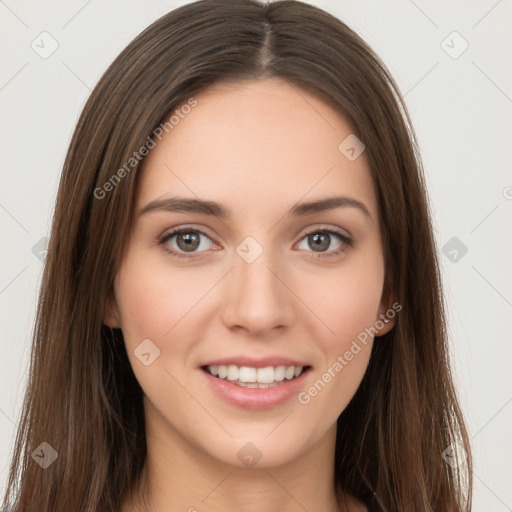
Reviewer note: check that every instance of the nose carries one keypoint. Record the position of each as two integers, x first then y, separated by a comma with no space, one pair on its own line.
257,298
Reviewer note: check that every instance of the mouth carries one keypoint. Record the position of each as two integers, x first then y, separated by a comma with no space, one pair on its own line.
256,378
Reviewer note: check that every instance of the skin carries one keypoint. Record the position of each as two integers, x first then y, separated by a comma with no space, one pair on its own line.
257,148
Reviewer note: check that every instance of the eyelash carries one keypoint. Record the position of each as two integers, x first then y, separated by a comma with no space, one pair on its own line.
347,242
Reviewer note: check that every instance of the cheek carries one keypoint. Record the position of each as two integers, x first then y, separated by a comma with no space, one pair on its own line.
154,298
347,303
327,394
156,303
346,300
347,311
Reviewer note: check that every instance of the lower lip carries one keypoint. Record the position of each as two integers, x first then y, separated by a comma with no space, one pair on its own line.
255,398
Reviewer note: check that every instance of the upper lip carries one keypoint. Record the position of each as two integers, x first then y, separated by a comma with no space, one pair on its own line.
255,362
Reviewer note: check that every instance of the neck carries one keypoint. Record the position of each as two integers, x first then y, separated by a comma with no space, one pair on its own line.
179,476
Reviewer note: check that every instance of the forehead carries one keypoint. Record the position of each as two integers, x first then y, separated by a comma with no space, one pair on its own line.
253,146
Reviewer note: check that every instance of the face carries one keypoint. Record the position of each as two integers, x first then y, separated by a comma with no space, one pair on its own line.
269,283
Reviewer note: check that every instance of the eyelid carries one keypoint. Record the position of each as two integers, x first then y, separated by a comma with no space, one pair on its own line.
324,227
187,228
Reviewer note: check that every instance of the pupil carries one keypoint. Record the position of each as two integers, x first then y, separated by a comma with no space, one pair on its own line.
191,241
321,237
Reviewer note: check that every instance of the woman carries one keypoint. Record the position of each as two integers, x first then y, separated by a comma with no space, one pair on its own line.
241,306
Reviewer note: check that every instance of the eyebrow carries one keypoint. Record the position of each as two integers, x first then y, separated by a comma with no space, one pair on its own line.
180,204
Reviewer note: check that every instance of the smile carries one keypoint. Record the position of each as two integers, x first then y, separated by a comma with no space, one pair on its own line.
248,387
252,377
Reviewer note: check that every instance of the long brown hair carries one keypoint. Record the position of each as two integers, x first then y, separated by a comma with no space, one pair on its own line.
82,397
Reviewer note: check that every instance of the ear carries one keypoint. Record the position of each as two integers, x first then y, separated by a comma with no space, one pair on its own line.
111,317
388,309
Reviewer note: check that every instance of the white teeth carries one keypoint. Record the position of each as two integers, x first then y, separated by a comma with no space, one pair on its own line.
233,372
250,377
265,375
255,384
280,371
247,374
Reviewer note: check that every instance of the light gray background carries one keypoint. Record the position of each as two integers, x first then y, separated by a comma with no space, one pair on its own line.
461,110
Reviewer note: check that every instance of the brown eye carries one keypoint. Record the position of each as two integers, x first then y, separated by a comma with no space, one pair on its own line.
320,240
186,242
